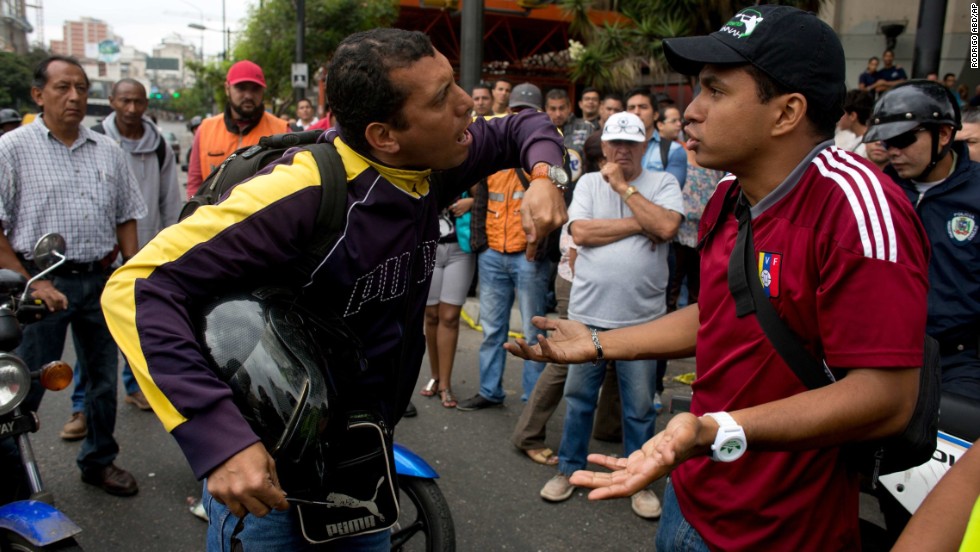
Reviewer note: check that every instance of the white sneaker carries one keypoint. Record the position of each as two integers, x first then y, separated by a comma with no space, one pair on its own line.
658,403
557,489
645,504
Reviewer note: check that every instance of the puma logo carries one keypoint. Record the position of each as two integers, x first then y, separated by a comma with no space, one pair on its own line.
338,500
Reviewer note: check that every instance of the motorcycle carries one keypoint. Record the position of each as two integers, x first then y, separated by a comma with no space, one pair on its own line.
424,520
34,523
900,494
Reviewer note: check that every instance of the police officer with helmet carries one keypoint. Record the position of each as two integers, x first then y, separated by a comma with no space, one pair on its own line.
9,120
916,122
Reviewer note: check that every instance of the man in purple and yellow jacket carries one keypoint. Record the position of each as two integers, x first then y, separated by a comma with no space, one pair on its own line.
401,121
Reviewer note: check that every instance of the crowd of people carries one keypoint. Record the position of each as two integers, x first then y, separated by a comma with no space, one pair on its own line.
860,206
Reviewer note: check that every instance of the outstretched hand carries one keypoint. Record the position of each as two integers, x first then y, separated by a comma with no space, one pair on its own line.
570,343
655,459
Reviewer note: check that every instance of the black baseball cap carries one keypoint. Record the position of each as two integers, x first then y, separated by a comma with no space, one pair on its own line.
795,48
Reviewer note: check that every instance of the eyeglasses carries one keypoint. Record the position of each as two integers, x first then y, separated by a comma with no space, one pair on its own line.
623,129
903,140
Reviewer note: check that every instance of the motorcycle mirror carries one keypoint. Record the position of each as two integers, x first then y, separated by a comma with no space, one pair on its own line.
49,250
56,375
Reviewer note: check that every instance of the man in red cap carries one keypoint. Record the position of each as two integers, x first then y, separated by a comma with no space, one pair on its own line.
242,124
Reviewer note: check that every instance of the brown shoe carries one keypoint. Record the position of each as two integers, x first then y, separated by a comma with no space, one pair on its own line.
113,480
138,399
76,428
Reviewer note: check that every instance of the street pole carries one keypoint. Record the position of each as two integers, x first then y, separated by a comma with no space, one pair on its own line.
929,38
471,45
224,28
300,39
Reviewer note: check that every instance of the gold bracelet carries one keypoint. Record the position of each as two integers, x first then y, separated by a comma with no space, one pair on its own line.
629,192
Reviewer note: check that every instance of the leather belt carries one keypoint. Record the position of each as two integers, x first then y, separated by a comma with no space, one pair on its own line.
68,268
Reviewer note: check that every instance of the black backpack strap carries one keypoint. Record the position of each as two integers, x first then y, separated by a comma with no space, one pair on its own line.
161,151
331,216
749,297
522,177
664,151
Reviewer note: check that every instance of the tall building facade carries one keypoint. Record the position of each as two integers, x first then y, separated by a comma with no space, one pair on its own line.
14,26
78,34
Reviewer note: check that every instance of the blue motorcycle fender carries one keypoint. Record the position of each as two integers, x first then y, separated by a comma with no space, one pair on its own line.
38,522
411,464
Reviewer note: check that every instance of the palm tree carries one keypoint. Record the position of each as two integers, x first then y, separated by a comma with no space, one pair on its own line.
613,56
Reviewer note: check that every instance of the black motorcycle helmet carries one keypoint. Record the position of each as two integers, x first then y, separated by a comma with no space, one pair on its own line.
194,123
910,105
262,345
8,115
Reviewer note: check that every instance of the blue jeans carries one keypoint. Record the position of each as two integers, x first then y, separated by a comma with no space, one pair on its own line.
500,274
277,531
675,534
44,341
637,381
78,395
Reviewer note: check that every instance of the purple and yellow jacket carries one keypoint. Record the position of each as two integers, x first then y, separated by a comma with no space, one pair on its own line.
264,224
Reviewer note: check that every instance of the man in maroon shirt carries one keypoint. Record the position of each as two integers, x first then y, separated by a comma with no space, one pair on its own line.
757,464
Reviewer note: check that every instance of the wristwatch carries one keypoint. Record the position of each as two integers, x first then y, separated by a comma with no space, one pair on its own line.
554,173
730,443
629,192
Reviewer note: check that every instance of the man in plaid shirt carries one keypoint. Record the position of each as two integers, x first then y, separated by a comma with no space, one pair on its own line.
58,176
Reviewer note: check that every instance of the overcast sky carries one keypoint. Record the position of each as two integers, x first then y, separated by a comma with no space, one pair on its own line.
143,24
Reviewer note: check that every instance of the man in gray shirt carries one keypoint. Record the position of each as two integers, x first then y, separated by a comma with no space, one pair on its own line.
622,220
153,163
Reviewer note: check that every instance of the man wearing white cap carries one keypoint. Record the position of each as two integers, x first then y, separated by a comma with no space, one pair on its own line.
622,217
242,124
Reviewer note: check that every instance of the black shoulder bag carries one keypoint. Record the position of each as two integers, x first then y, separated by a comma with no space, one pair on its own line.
914,445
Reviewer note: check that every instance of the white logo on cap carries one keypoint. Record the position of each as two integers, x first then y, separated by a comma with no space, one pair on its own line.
745,19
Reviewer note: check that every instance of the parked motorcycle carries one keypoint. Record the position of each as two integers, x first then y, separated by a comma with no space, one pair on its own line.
424,521
34,523
900,494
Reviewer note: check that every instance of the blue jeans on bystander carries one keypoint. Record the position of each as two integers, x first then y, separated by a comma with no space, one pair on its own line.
78,394
500,274
44,341
637,385
675,534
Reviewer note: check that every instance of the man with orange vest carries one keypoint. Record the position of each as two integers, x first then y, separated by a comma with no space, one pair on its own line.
504,266
242,124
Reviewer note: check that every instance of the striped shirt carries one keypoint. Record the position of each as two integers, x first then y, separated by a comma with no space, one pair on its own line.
82,192
843,259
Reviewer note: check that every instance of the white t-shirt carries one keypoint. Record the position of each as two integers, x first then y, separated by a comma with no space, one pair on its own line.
847,140
622,283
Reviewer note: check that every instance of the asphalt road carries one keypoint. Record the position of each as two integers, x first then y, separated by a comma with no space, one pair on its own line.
491,487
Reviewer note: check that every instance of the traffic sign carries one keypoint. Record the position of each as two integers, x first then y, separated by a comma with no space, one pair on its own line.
301,75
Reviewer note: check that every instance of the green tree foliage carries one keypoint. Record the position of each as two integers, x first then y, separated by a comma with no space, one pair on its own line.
615,55
16,74
269,38
208,93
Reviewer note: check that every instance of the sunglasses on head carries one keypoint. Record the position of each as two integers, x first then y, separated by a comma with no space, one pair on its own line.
903,140
623,129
